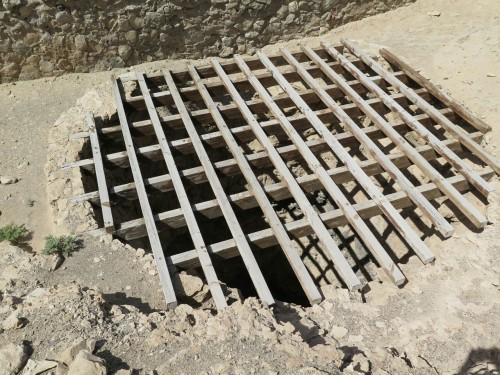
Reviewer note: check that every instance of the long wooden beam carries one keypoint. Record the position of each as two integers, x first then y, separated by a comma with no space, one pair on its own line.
364,180
300,228
100,176
180,191
154,239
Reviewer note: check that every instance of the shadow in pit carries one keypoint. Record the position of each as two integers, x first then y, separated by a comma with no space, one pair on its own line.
120,298
482,362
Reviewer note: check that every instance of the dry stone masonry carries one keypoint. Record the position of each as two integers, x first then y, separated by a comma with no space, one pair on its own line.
43,38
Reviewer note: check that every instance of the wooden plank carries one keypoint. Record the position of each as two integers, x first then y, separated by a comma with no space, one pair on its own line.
102,186
479,183
154,239
364,180
259,194
192,224
234,226
245,200
444,98
465,206
444,227
333,219
329,245
314,164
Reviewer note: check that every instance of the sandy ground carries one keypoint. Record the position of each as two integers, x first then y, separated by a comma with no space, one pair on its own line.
459,50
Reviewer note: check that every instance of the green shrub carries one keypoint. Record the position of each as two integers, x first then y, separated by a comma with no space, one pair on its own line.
30,202
13,233
63,245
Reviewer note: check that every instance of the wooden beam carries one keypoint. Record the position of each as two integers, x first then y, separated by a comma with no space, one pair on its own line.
192,224
373,150
330,186
232,221
277,227
102,186
154,239
333,219
329,245
472,213
479,183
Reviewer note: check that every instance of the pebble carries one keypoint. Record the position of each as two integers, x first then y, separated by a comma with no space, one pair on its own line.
434,13
7,180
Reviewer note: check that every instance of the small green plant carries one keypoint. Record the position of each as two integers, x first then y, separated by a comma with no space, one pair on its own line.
63,245
30,202
13,233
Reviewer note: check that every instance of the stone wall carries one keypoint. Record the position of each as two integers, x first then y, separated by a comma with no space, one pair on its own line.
40,38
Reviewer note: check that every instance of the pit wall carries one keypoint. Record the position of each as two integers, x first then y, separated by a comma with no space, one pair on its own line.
41,38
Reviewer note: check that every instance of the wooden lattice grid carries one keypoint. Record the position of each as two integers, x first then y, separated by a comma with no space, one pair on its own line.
197,123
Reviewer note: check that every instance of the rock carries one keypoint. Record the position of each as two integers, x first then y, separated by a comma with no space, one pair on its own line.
69,354
338,332
124,372
187,285
13,358
12,4
52,262
434,13
34,367
85,363
7,180
13,322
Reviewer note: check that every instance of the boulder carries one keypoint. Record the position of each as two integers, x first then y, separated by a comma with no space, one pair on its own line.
86,363
13,357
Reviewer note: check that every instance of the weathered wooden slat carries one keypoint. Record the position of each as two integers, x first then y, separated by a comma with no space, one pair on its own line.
479,183
159,257
364,180
100,176
330,186
305,279
333,219
465,206
444,227
463,112
444,98
232,221
174,219
192,224
329,245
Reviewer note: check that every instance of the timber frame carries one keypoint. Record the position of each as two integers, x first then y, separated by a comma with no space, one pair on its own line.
351,103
